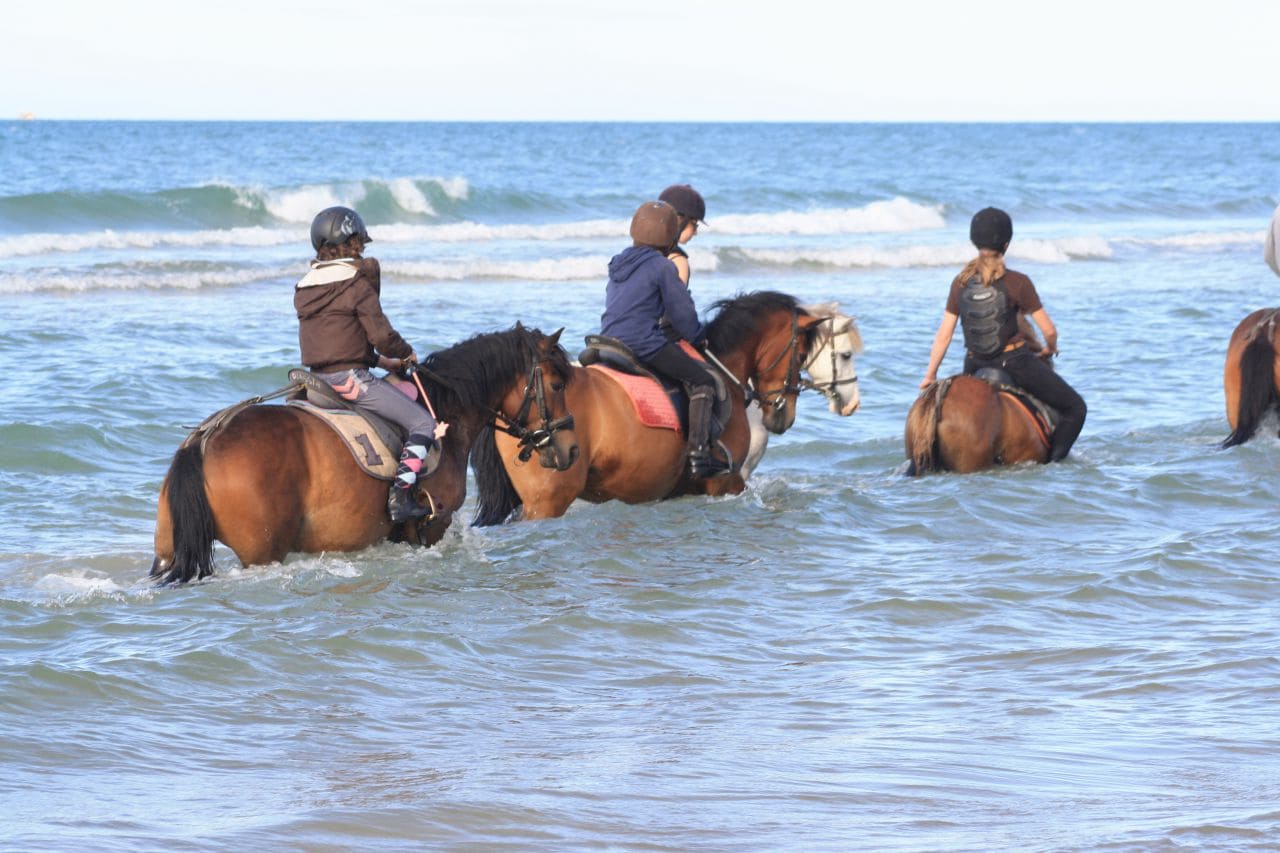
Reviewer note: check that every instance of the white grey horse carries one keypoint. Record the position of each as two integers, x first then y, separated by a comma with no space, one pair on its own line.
832,372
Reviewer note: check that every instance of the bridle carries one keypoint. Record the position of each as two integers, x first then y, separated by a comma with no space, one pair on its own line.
532,440
792,384
828,389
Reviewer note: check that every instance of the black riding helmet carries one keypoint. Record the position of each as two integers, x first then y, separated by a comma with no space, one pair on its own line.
991,228
656,225
686,200
334,226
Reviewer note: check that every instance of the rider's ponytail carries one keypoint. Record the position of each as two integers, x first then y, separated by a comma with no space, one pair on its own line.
988,266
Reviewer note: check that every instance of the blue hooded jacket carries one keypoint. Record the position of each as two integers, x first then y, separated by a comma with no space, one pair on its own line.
643,287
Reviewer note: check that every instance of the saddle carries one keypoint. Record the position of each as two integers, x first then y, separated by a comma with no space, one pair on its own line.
375,443
658,402
1045,417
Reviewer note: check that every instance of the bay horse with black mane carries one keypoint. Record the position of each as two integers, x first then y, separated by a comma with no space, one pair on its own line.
761,341
270,480
1250,374
965,424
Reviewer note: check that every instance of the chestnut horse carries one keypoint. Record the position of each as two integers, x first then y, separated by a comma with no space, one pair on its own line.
1249,377
761,340
832,372
269,480
965,424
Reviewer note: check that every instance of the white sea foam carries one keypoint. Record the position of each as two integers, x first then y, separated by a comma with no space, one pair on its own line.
455,188
77,584
299,204
545,269
1203,240
410,197
947,255
59,280
46,243
879,217
475,232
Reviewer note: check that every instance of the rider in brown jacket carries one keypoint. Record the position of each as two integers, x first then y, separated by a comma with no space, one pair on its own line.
343,333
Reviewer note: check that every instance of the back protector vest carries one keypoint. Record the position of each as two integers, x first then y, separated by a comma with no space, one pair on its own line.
982,313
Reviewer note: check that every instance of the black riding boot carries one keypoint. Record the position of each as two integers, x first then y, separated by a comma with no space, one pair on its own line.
401,503
701,463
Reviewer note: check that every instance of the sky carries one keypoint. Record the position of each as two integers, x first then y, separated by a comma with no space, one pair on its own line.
602,60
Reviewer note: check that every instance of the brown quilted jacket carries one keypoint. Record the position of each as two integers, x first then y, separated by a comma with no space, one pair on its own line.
341,325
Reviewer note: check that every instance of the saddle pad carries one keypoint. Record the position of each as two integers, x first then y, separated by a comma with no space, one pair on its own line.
653,406
371,453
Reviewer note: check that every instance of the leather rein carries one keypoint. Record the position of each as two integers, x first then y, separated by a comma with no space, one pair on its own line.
792,383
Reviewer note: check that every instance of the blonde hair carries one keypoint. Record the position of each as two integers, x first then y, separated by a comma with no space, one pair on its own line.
988,266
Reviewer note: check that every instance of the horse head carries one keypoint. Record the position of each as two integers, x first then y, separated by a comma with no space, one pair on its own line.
765,338
534,409
831,367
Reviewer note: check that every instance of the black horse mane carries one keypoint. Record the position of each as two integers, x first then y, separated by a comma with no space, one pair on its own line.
739,317
474,374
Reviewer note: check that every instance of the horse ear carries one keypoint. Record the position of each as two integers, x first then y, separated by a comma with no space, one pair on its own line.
811,327
554,337
519,326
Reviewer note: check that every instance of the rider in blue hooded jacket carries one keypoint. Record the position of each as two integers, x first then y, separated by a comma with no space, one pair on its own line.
643,288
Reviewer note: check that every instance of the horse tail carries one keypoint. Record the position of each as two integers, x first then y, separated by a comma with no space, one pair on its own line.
190,519
922,429
497,498
1257,388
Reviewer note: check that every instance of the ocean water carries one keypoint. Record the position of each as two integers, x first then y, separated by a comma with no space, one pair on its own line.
1077,656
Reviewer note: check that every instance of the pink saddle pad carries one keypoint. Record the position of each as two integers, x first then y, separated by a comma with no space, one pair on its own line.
653,406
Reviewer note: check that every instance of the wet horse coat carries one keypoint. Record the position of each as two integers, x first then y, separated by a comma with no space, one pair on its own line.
965,424
760,338
270,480
1250,375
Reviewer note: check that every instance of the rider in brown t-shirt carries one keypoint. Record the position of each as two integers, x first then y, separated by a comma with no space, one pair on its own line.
990,301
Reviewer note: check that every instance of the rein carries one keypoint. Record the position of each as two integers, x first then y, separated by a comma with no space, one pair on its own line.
793,370
790,385
532,440
748,392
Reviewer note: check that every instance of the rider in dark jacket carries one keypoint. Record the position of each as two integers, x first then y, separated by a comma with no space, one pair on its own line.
988,299
643,288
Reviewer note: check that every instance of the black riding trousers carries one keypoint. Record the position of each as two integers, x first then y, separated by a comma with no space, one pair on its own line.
1031,373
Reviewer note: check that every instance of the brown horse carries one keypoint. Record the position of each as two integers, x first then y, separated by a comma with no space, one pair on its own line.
269,480
1249,377
762,340
964,424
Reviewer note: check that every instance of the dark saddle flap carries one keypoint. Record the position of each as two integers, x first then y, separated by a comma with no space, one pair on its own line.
613,353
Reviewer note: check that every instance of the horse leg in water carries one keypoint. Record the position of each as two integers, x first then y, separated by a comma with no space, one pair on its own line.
545,492
969,426
759,440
